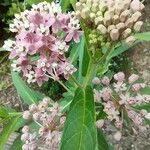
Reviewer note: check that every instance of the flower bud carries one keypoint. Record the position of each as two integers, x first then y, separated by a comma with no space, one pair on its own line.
124,15
138,25
136,16
36,116
102,29
99,13
96,81
120,26
100,123
85,13
129,23
95,7
92,16
147,116
107,20
106,80
126,33
136,87
83,1
120,76
136,5
111,27
114,34
25,129
26,115
130,40
98,20
116,19
117,136
24,137
79,6
133,78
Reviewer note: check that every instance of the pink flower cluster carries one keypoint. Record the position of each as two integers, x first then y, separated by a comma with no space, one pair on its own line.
120,98
50,121
42,38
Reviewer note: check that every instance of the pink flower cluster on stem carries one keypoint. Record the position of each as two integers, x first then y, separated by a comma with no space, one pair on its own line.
120,97
43,35
50,121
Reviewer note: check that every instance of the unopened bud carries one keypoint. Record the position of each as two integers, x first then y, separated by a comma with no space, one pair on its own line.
117,136
136,5
133,78
120,76
95,7
114,34
102,29
107,20
130,40
129,23
98,20
120,26
79,6
99,13
116,19
111,27
25,129
136,16
26,115
124,15
92,16
106,80
126,33
96,81
85,13
138,25
147,116
100,123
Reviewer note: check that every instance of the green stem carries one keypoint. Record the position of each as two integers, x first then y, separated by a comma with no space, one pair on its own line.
75,81
104,57
90,74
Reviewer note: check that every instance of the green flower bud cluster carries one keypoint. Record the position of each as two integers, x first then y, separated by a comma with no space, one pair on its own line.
117,20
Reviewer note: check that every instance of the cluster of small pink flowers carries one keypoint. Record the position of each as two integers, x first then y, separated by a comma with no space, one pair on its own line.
120,98
116,19
50,121
42,38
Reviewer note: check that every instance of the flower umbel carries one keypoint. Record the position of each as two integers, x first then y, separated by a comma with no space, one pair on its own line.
43,35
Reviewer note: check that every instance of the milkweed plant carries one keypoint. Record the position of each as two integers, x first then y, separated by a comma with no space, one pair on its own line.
74,47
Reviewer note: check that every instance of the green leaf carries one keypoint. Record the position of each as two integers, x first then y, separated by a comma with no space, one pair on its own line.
145,36
81,54
30,2
3,112
80,131
17,144
66,3
102,143
75,49
29,96
85,62
120,49
13,124
146,90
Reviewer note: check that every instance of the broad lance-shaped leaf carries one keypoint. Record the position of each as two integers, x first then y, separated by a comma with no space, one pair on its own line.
13,124
102,142
145,36
31,2
29,96
80,131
